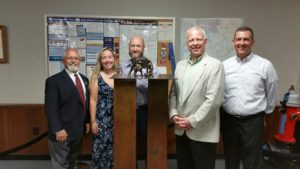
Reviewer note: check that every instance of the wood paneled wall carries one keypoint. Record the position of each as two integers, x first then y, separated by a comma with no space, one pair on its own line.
20,124
17,125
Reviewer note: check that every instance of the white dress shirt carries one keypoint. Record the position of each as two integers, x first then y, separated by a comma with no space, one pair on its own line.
72,76
250,85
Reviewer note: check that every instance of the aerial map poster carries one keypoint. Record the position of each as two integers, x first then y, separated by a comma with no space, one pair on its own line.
219,32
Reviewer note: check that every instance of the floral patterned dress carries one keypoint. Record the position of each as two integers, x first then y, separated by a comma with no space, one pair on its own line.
102,148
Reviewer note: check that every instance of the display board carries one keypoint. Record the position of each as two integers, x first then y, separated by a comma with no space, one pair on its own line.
90,34
219,33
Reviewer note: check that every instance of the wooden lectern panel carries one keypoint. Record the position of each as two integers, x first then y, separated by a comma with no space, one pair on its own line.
124,123
157,124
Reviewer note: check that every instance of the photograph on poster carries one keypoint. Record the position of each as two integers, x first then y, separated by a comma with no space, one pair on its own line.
3,45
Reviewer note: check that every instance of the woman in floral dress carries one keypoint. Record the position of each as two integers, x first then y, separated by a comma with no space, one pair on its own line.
101,110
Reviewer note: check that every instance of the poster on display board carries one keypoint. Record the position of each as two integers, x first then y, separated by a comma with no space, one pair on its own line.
89,34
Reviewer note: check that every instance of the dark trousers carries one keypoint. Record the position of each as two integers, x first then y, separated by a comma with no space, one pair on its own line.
64,155
142,117
195,154
142,121
243,140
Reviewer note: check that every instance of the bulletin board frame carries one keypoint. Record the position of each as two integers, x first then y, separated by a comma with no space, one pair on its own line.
89,34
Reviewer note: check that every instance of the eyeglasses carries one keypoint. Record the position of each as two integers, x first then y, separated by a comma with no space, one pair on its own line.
72,58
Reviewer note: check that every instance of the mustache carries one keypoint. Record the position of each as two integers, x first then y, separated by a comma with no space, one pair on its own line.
141,54
73,67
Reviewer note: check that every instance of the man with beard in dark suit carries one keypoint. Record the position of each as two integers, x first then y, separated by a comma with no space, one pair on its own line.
66,107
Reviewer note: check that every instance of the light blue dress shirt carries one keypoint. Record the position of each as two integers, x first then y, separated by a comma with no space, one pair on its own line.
141,83
250,85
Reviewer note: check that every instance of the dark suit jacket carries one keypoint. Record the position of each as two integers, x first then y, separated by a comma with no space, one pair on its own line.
63,106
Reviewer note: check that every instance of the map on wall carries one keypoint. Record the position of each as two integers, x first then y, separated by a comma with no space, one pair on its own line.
219,33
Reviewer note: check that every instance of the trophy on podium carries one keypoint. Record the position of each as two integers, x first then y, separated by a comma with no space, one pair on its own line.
140,63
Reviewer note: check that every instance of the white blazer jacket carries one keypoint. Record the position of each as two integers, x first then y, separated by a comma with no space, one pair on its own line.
202,100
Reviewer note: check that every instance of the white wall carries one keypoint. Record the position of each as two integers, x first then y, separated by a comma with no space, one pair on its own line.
276,26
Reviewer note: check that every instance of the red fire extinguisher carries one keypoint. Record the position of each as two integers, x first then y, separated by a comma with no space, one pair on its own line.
290,114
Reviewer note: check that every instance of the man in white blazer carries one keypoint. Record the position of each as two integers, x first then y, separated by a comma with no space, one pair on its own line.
196,95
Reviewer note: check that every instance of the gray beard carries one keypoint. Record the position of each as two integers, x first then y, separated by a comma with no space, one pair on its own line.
72,68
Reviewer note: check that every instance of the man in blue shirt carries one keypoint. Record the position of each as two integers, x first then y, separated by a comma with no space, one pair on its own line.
250,93
136,50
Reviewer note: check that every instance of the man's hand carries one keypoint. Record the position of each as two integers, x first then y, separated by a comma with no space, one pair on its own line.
181,122
87,128
61,136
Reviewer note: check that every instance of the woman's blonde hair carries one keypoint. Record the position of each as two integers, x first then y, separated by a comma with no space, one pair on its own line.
99,67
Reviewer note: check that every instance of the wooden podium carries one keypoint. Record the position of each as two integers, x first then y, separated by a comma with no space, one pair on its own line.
125,121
